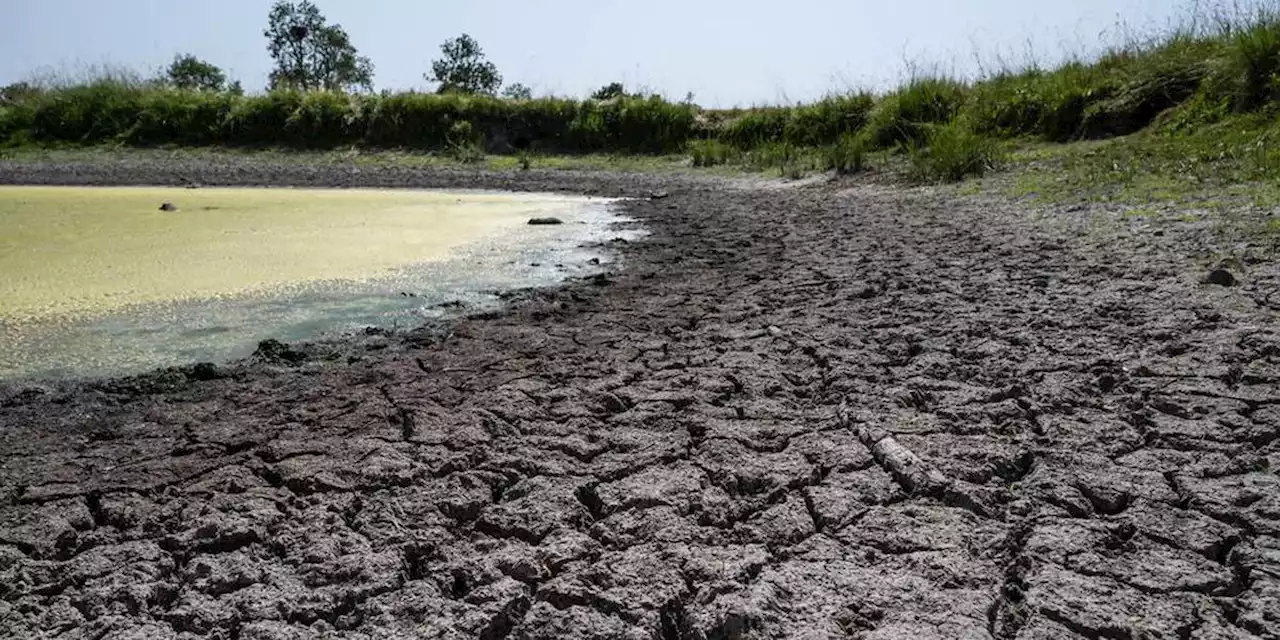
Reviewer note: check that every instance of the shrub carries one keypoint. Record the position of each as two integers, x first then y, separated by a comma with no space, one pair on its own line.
101,111
179,116
952,152
464,143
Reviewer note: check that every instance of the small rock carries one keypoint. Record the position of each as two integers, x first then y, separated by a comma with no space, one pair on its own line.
1221,277
204,371
168,206
545,221
658,195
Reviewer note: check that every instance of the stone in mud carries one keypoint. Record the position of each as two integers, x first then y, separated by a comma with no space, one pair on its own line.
168,206
276,351
659,195
1221,277
545,221
204,371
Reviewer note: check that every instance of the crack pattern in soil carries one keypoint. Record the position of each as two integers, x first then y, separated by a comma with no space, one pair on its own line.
801,412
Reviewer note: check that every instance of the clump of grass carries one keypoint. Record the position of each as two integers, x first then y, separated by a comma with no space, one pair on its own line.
903,116
952,152
789,160
1254,60
465,144
847,156
524,160
810,125
711,153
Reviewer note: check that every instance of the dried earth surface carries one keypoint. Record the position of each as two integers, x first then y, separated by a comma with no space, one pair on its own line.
832,410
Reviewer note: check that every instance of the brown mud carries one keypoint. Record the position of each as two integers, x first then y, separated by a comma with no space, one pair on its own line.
822,411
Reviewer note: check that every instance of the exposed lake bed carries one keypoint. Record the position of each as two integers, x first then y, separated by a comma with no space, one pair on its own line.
682,413
102,281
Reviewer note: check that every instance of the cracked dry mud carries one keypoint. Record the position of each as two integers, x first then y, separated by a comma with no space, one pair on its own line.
831,411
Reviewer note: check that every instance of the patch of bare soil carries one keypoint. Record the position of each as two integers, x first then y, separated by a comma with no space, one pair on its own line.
813,412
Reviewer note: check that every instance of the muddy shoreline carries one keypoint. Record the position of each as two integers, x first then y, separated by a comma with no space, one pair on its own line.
825,411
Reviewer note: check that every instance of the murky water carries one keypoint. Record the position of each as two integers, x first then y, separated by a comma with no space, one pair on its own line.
99,281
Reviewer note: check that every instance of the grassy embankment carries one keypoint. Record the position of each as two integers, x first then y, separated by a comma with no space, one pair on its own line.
1190,112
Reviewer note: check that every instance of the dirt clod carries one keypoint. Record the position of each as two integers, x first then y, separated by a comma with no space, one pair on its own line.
1221,277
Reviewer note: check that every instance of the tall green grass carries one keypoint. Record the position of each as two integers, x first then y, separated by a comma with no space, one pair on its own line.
114,112
951,152
809,125
1181,81
903,116
1254,60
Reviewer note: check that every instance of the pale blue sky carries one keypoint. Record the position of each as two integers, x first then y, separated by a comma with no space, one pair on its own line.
727,52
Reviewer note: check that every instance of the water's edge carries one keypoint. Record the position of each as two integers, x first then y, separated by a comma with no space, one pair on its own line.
395,309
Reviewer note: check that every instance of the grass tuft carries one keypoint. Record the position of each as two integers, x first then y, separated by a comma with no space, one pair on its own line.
711,153
847,156
952,152
903,117
1254,61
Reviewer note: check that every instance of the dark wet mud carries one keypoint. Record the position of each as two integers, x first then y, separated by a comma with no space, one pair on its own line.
807,412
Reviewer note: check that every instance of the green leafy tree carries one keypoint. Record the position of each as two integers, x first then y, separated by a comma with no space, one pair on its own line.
609,91
463,69
189,72
311,54
517,91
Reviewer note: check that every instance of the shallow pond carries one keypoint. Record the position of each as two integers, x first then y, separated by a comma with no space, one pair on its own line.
101,281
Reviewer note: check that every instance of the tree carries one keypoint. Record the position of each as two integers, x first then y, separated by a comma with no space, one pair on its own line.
517,91
464,69
609,92
190,72
311,54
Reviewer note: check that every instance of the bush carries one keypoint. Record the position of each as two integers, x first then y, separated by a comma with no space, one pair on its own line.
179,116
902,117
952,152
92,113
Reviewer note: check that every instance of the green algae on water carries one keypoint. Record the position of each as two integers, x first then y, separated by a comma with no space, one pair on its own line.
86,251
